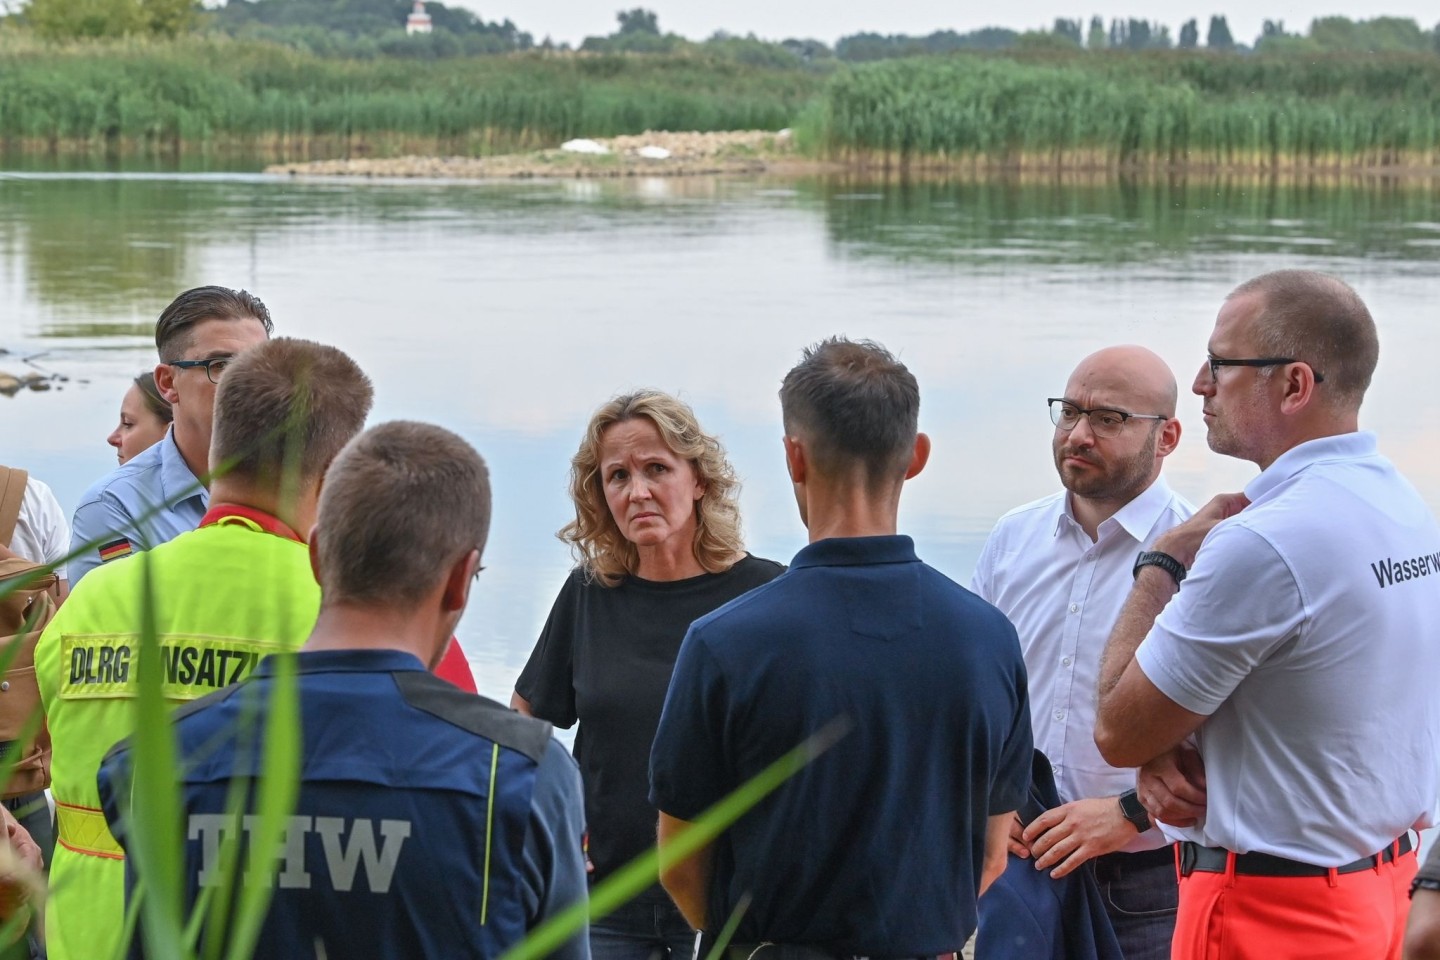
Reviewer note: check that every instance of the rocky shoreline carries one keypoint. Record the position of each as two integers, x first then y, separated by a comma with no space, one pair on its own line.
689,154
650,154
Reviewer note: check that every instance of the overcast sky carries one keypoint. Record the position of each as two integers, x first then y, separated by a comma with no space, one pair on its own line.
573,20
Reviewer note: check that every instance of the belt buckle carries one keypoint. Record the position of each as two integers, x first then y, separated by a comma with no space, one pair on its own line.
1188,857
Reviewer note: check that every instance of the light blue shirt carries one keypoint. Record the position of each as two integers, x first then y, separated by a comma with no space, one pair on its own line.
145,502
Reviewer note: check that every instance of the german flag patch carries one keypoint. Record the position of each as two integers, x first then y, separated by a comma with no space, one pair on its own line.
115,549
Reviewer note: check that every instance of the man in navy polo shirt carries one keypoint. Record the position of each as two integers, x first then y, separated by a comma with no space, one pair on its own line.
428,822
880,846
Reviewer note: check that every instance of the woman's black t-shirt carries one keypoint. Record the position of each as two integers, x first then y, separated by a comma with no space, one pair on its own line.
605,659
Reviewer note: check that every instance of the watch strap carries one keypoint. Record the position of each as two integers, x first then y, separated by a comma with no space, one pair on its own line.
1133,810
1156,558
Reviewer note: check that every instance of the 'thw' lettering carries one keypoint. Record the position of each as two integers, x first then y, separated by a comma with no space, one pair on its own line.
345,844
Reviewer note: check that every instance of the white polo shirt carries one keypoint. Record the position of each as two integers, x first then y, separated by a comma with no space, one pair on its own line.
1064,593
41,533
1306,631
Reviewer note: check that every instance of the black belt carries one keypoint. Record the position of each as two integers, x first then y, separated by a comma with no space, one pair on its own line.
1113,866
797,951
1194,857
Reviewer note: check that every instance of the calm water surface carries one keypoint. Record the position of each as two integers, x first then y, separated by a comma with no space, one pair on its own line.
508,311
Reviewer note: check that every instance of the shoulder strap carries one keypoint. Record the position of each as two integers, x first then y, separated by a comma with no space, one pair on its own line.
12,492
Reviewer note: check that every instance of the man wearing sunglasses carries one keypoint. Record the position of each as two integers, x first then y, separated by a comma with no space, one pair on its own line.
1059,568
1290,628
158,494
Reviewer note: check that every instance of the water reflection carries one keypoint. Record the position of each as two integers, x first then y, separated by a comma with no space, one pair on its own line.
508,311
1124,220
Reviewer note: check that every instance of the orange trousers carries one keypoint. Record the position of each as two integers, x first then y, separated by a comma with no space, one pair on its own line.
1352,916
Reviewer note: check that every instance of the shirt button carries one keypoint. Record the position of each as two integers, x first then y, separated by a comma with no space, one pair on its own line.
1059,714
1066,661
1074,608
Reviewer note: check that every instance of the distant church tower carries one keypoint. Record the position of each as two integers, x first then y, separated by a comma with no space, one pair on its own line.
419,20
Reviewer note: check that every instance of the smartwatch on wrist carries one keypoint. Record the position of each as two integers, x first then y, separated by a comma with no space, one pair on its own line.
1133,810
1154,558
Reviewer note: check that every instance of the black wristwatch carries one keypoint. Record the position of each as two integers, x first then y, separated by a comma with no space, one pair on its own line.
1154,558
1132,809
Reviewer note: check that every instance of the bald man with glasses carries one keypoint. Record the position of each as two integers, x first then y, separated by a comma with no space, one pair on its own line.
1060,569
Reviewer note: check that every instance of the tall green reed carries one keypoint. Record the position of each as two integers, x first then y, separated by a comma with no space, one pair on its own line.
198,91
1134,111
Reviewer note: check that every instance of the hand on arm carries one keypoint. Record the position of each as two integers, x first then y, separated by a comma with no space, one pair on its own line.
687,882
1172,786
1183,540
1072,833
1135,722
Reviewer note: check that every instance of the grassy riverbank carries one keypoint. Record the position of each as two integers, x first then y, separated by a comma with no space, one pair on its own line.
215,93
1135,111
1070,111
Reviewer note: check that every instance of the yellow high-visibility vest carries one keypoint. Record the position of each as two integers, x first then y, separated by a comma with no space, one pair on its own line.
225,595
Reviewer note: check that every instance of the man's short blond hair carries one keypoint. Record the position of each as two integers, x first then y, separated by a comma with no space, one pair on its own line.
401,504
283,410
1321,320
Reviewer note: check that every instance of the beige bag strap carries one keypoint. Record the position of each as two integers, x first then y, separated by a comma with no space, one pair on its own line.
12,492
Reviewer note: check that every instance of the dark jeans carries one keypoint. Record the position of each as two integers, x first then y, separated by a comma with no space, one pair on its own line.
649,927
33,813
1141,896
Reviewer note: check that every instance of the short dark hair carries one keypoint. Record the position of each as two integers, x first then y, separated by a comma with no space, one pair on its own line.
194,306
287,405
856,404
1319,319
403,502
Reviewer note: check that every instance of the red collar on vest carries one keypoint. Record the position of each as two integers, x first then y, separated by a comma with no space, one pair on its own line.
220,512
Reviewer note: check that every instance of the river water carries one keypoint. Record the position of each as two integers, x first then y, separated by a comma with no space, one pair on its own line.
508,311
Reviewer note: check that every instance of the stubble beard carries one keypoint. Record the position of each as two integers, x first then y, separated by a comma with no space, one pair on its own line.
1119,481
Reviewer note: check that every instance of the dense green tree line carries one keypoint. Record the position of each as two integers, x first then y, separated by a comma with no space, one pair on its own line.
367,28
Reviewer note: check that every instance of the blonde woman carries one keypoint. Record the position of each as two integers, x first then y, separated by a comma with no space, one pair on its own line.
657,535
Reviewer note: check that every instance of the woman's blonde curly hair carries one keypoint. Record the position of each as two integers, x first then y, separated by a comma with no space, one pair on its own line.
599,546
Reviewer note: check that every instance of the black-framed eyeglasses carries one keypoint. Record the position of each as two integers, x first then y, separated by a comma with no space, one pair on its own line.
214,367
1103,421
1216,363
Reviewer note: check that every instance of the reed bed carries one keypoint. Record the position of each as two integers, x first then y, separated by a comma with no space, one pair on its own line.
1065,111
202,91
1168,111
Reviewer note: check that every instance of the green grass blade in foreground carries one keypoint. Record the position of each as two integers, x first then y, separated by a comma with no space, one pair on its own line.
213,909
276,794
156,842
641,872
727,932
